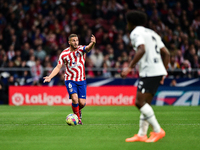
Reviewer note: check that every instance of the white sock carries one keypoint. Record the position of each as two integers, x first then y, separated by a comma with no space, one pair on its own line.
143,126
148,113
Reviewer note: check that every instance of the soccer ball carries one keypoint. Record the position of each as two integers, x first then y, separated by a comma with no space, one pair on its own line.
72,119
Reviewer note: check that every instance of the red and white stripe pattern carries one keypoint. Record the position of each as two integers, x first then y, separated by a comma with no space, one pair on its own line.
74,62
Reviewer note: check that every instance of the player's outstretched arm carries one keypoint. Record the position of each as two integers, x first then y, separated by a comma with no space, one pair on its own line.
165,56
138,55
53,73
91,45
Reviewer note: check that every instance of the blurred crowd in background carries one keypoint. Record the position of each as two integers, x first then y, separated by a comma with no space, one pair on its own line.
34,32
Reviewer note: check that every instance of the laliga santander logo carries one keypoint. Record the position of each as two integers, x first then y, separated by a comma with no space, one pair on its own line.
39,99
119,99
17,99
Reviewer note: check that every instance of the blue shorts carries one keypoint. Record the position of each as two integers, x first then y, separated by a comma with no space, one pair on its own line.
78,87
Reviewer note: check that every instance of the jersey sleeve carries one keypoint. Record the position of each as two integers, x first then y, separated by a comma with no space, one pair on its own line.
82,49
136,40
160,43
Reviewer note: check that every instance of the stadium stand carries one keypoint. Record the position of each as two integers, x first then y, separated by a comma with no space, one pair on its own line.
34,32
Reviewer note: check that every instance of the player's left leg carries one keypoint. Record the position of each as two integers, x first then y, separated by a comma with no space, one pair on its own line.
81,106
81,99
82,103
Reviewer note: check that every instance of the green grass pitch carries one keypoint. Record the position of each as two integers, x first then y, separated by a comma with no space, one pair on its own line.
104,128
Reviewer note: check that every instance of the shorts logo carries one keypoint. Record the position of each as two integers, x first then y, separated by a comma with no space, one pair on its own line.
140,84
69,85
71,90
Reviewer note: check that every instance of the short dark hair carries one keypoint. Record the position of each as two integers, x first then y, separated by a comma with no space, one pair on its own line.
72,35
136,18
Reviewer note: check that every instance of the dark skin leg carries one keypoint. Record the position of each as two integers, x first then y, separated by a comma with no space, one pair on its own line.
143,98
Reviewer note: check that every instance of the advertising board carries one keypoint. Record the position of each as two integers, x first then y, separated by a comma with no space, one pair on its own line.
57,95
177,96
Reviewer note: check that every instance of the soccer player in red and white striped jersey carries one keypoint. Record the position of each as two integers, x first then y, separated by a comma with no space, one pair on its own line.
73,58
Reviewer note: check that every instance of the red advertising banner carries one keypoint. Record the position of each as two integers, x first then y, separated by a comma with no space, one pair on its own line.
57,95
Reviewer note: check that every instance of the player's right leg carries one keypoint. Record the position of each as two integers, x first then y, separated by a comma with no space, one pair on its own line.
75,105
72,90
142,133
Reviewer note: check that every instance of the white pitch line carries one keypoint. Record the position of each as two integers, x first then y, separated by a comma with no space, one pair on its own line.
84,124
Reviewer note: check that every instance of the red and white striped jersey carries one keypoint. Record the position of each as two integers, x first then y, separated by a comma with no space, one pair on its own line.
74,62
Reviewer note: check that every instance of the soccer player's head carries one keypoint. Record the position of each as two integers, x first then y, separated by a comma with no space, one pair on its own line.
73,41
135,18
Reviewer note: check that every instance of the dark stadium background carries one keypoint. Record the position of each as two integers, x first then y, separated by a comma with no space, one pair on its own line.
34,32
